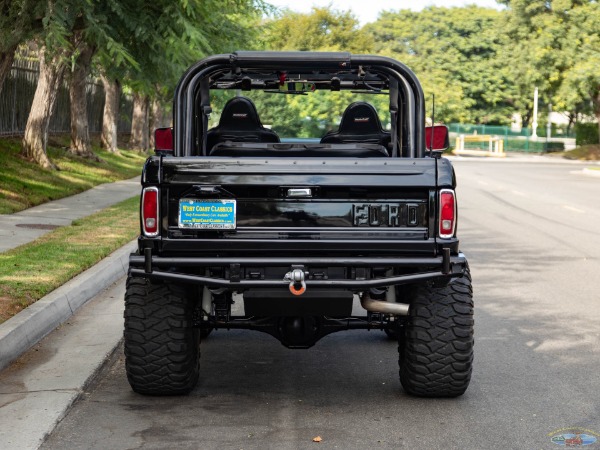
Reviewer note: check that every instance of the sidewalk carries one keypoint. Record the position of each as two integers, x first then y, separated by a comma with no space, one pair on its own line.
24,330
28,225
523,158
37,391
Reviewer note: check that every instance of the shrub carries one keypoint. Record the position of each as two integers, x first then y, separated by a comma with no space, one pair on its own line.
587,134
554,147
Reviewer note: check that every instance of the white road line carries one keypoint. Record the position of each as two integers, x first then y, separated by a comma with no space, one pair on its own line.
519,193
572,208
483,183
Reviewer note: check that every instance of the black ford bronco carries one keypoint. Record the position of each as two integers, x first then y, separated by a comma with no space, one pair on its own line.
243,227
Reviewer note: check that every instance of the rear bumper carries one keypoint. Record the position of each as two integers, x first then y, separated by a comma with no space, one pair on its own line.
238,273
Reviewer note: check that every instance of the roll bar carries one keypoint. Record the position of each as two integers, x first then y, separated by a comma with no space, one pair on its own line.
195,78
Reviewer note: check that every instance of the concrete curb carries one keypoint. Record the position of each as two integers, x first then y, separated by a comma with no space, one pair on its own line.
591,172
511,158
21,332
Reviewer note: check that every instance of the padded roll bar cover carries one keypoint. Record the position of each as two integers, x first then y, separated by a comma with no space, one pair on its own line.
183,112
282,60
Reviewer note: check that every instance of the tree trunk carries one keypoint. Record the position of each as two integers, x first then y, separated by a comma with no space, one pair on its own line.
35,138
525,118
596,103
6,61
80,135
598,120
110,117
157,117
572,116
139,123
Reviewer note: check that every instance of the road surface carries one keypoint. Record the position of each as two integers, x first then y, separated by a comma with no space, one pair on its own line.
531,232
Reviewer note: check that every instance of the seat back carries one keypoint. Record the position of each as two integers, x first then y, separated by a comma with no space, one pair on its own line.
239,123
360,124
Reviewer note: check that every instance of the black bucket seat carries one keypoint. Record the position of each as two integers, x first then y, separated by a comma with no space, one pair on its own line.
239,123
360,124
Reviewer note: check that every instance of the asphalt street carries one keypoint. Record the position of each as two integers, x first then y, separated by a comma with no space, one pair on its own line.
530,232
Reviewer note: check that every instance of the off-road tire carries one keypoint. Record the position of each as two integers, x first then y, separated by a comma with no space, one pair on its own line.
162,346
436,347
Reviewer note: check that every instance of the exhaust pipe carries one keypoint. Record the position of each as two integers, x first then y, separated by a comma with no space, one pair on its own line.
399,309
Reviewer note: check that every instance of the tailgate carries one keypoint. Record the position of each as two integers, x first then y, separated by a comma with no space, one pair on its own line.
236,206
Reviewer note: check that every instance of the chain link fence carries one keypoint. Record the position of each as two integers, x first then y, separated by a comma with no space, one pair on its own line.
17,96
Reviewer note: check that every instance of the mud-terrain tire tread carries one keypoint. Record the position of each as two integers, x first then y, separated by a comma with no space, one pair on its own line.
162,346
436,348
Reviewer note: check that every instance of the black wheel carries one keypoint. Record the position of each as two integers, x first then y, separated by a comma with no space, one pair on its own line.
436,349
162,346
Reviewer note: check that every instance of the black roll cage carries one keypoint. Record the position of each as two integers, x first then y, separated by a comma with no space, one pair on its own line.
404,86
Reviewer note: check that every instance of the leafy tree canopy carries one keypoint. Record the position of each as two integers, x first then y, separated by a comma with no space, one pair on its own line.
323,29
453,51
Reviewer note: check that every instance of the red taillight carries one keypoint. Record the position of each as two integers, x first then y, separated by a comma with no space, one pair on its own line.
150,211
447,213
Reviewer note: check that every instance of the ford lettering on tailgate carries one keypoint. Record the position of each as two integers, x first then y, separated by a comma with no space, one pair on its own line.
388,215
216,214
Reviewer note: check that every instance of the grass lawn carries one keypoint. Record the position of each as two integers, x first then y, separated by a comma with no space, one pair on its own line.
584,153
30,271
24,184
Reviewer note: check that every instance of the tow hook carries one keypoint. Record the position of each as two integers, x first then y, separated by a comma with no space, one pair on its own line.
297,283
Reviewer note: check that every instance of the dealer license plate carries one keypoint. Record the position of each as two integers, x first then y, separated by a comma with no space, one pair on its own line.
214,214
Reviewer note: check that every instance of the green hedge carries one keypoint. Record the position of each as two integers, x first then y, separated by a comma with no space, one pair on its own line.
587,134
523,145
555,147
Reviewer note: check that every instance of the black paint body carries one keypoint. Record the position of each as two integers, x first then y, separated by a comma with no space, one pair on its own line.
368,221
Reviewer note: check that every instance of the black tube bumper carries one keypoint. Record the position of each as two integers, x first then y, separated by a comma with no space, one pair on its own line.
174,269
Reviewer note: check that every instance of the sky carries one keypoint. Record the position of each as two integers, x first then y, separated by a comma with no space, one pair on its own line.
367,10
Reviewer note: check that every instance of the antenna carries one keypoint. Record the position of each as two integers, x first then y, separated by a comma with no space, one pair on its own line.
432,123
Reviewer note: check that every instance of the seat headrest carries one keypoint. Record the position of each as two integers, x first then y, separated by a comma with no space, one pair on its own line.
360,118
239,113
